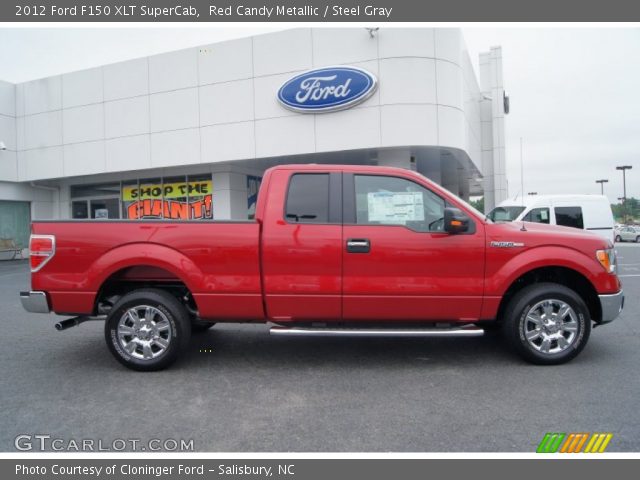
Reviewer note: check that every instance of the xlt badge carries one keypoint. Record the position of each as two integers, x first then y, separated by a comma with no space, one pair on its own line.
507,244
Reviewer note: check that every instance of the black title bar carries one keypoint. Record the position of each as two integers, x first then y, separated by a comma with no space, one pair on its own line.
316,469
374,11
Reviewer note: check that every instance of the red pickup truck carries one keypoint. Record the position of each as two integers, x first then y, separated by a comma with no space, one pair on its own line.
333,250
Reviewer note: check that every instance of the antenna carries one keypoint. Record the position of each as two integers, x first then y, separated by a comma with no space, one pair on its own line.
523,229
521,169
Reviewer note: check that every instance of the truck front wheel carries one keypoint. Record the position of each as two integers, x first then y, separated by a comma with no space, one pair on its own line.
147,329
547,324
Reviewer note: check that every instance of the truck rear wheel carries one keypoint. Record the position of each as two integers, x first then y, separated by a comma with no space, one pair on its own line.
147,329
547,324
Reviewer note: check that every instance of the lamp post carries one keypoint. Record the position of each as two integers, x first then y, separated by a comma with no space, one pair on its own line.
602,181
624,169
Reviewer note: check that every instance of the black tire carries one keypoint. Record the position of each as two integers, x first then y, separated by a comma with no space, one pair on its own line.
490,328
618,238
637,239
168,310
199,326
515,323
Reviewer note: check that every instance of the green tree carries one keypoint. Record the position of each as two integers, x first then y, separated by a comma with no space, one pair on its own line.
478,204
632,210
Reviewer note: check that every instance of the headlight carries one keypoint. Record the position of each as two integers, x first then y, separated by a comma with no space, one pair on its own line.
607,259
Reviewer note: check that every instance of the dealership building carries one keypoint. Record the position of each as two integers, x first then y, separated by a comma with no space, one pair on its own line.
188,134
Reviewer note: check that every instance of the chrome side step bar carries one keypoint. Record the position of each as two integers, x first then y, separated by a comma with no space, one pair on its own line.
471,331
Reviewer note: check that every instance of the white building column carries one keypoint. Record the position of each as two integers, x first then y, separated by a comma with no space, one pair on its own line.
229,196
493,130
44,203
497,107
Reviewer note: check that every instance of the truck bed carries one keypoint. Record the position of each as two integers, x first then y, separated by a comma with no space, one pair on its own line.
208,257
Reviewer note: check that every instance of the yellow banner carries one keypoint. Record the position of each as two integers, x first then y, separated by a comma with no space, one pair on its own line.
167,190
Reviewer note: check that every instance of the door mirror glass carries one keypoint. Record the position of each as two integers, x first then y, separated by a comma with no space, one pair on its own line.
455,221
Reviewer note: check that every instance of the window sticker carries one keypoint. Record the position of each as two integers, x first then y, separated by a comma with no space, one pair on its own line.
102,213
395,207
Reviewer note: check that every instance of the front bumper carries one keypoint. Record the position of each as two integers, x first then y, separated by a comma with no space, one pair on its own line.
35,302
611,305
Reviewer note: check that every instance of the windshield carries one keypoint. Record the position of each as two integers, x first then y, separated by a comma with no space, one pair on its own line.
463,202
505,214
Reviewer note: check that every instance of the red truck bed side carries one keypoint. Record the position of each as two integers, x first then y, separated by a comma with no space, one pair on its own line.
217,261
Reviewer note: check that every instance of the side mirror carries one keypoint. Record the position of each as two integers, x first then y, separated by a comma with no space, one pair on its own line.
455,221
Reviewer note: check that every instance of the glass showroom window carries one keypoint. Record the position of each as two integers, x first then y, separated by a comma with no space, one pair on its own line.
147,200
176,198
169,198
200,197
161,198
99,201
129,203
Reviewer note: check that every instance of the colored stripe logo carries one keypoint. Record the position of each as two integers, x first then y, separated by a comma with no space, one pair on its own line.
574,443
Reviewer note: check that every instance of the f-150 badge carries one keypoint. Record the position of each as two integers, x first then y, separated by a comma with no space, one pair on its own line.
506,244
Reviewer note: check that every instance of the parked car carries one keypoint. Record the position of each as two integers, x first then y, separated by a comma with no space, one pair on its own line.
333,251
628,234
588,212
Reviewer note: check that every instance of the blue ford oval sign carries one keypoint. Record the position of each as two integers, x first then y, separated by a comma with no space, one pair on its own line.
327,89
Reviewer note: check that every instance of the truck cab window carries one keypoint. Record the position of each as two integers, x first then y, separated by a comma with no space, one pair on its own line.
308,198
569,217
383,200
537,215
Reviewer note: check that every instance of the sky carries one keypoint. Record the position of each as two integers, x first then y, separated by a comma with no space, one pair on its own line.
575,92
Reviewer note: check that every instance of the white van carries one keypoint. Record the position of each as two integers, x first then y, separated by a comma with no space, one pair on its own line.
588,212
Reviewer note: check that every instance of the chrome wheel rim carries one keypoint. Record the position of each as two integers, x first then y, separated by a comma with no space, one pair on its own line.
550,326
144,332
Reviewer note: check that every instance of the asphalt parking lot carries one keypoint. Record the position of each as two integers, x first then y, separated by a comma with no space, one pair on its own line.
251,392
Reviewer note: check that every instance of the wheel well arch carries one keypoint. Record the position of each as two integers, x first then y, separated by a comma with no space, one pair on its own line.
138,276
568,277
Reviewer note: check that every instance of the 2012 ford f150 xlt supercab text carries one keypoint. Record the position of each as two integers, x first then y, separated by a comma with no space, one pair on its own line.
333,250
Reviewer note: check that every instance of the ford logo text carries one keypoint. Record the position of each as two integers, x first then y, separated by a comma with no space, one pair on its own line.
327,89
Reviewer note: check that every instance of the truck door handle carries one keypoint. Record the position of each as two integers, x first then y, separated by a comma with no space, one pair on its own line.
358,245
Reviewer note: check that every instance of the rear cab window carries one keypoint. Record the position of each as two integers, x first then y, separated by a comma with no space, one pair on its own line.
308,198
314,198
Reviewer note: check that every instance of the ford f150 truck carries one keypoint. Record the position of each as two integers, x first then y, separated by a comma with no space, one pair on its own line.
333,250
